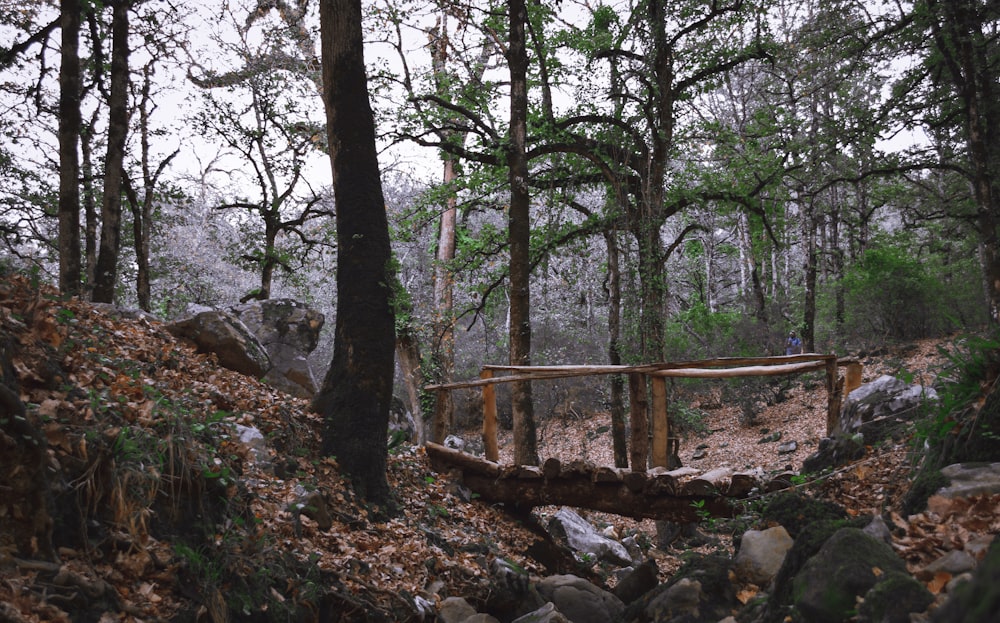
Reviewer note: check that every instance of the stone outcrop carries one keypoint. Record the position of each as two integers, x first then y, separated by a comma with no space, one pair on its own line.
582,537
288,331
220,332
881,408
269,340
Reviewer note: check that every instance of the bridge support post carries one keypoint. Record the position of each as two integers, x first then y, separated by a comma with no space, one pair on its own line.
639,419
491,449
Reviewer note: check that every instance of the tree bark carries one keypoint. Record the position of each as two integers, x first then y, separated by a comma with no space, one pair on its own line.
106,275
356,393
69,161
519,236
619,432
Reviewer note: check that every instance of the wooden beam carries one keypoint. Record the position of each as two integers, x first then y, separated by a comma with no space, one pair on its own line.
725,373
490,444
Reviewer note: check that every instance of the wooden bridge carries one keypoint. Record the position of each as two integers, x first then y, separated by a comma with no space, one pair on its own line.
648,488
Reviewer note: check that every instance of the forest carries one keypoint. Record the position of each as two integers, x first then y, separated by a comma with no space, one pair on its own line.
701,177
452,184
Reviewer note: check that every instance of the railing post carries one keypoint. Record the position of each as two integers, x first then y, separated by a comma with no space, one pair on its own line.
661,426
852,379
490,418
639,418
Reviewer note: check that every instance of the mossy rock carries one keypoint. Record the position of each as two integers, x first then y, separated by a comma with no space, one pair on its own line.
848,565
794,511
894,598
718,595
806,545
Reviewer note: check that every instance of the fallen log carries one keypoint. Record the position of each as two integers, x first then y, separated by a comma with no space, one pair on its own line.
612,497
715,482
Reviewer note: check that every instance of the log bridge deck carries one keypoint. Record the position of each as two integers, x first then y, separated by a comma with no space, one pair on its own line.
642,492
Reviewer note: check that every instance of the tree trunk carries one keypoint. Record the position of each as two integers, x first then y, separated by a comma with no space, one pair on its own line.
619,430
519,236
106,275
960,29
809,306
443,349
356,393
91,224
69,162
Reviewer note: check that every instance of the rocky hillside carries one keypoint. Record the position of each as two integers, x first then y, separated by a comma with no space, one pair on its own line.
143,482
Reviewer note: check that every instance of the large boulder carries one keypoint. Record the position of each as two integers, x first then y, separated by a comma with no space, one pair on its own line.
288,331
969,479
579,600
881,408
220,332
581,536
761,554
848,565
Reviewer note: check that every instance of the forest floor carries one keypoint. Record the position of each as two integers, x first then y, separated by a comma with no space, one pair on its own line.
162,514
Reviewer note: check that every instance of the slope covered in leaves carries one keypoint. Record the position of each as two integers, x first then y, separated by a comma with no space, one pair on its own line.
160,512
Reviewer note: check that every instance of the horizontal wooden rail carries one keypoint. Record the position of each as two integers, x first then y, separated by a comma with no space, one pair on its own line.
648,403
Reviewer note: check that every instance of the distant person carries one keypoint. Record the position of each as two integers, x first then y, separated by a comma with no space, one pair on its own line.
793,345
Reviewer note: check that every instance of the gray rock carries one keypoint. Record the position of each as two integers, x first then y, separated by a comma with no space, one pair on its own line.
788,447
683,598
969,479
834,452
581,536
638,582
879,408
288,331
457,610
222,333
976,600
761,554
546,614
879,530
955,562
579,600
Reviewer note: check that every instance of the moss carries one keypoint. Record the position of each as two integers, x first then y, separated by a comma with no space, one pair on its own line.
894,598
794,511
928,480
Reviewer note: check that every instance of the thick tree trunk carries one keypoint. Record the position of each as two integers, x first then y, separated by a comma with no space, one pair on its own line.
519,233
106,275
356,393
69,162
960,38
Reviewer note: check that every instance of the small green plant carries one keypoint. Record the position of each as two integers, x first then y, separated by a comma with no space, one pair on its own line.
704,516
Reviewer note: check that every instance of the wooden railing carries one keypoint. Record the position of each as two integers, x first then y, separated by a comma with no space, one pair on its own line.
649,410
